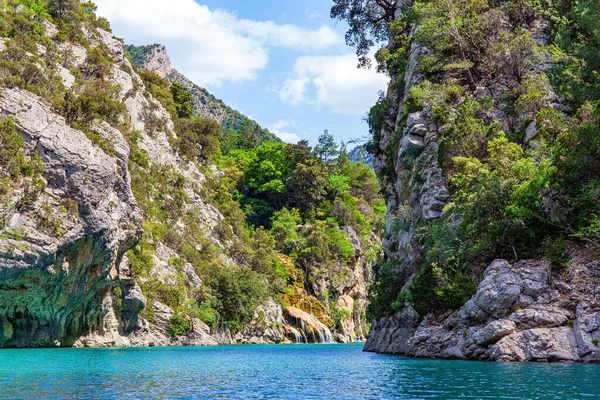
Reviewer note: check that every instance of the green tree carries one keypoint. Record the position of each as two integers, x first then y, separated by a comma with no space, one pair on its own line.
368,21
327,149
285,228
58,8
237,292
308,184
183,100
198,137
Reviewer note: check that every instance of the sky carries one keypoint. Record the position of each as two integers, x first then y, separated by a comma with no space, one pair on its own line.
282,63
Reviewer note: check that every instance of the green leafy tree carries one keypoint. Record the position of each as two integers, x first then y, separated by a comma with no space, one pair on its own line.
308,184
368,21
198,137
58,8
237,292
183,100
285,229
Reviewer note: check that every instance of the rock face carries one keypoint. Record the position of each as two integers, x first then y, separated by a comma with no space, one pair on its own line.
76,270
521,312
64,278
155,58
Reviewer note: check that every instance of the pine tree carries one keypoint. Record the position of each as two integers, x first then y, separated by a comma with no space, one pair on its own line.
327,149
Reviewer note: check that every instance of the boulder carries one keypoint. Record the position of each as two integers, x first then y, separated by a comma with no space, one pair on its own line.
496,294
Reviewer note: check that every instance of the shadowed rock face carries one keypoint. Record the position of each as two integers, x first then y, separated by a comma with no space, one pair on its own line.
73,272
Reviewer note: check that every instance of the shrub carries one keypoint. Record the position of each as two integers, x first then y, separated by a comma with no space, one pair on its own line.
556,251
183,100
178,325
237,292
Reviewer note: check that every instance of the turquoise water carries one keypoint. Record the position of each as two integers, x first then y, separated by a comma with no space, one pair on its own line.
279,372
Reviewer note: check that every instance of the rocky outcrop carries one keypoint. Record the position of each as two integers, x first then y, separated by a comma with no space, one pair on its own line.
154,58
266,327
521,312
64,277
74,270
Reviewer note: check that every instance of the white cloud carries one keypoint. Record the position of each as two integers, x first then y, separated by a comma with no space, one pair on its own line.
333,82
210,46
294,90
279,127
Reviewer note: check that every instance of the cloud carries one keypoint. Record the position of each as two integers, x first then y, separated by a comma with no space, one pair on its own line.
210,46
294,90
333,82
288,137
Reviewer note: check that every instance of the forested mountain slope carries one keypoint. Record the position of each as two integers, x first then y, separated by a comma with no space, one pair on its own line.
155,58
128,219
487,145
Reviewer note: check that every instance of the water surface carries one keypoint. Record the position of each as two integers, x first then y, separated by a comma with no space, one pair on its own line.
324,371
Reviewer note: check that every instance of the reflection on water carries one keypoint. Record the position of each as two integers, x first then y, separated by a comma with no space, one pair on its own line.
279,372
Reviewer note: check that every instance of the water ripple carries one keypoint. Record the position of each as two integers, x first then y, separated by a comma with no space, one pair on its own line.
278,372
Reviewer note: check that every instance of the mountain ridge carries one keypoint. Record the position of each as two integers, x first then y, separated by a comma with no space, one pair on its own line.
156,58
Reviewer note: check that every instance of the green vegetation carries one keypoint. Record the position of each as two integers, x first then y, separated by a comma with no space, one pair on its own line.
292,215
278,201
511,196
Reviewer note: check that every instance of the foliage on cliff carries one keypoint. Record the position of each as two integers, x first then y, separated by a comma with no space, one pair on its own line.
242,214
519,184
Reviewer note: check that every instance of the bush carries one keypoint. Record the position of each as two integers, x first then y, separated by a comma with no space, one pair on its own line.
556,251
11,147
159,89
97,100
178,325
237,292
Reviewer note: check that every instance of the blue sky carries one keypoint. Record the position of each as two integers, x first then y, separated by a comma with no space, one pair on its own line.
282,63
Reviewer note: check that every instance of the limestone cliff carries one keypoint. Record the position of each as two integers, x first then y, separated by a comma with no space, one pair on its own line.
522,310
98,203
65,277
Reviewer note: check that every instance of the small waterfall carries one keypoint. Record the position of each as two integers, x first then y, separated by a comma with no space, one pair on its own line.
328,336
325,335
318,331
303,331
297,337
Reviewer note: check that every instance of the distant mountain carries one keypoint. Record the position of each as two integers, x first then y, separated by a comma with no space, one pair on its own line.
359,153
155,58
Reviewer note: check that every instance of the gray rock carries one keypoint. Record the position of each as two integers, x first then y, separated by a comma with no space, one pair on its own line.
492,332
495,296
415,118
411,145
531,132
